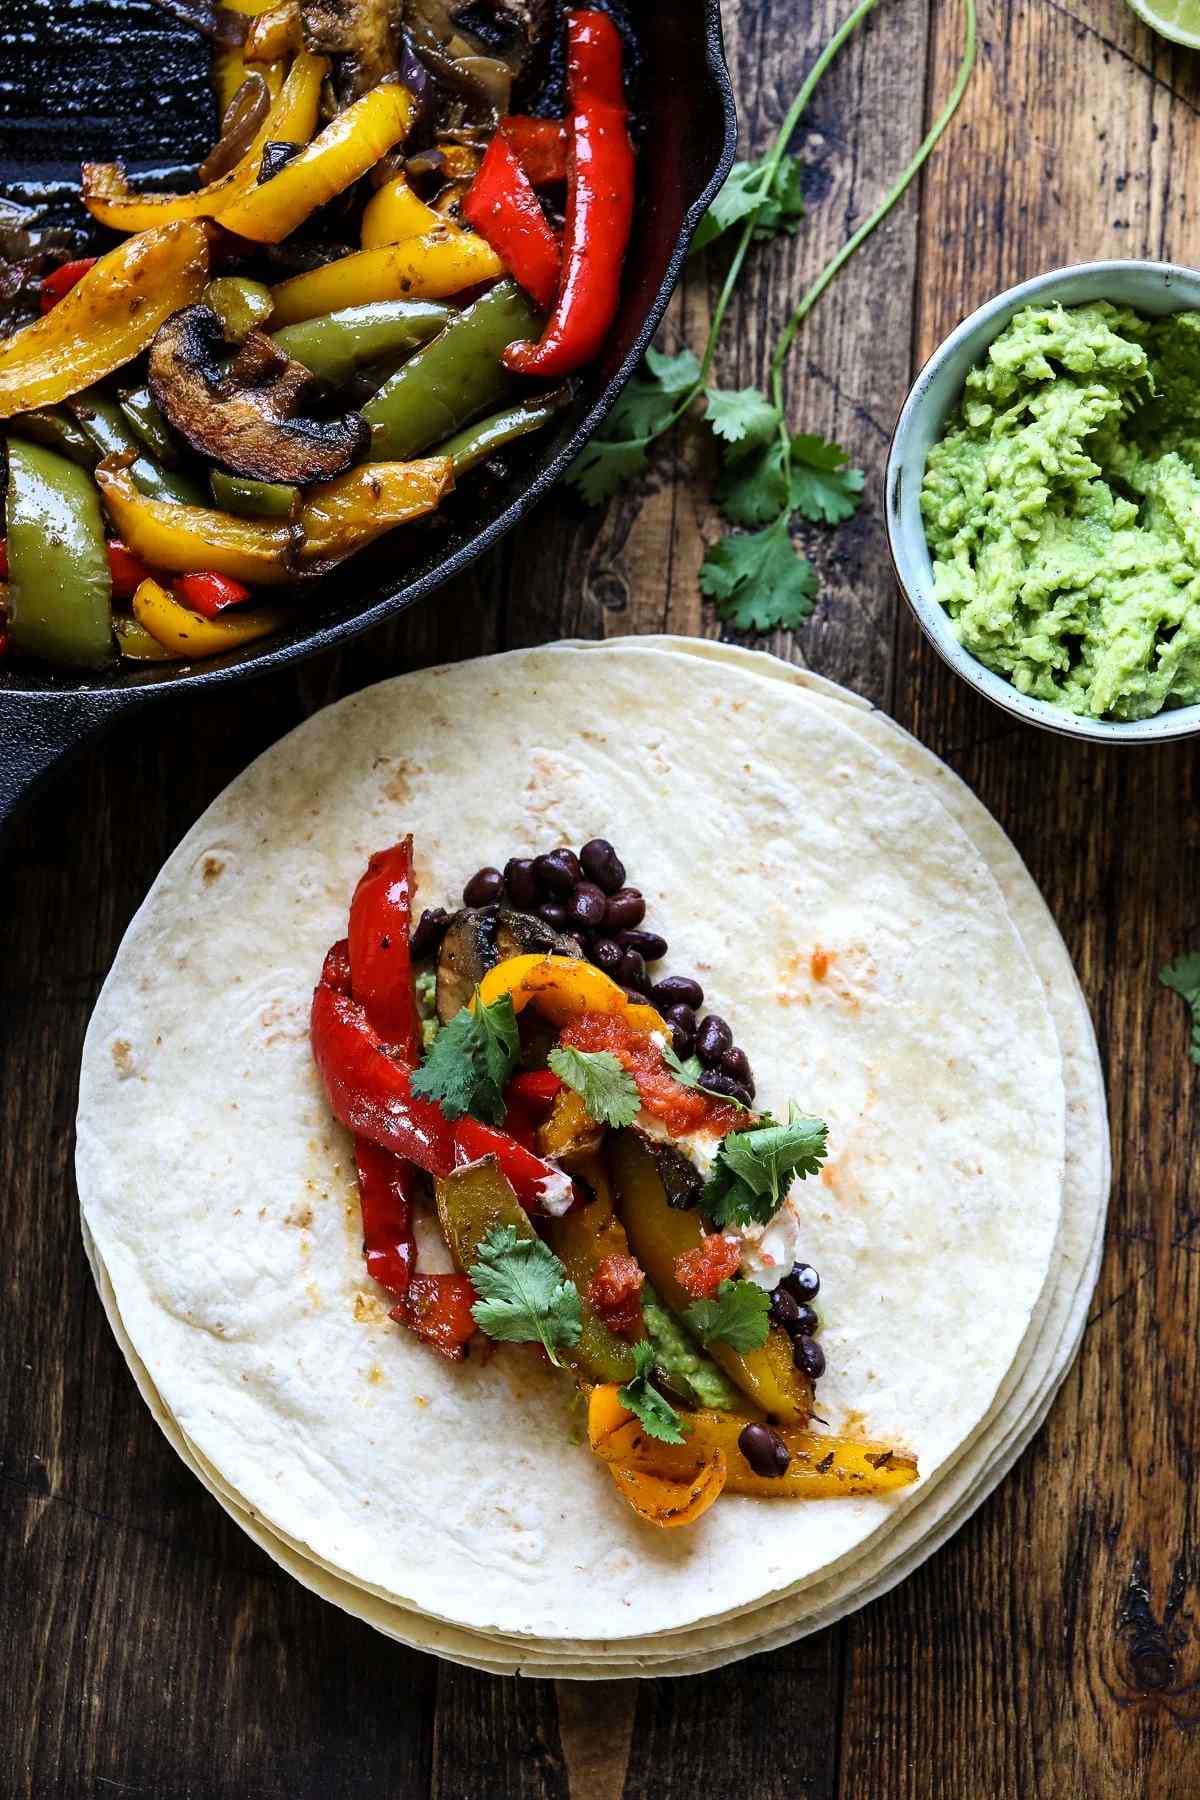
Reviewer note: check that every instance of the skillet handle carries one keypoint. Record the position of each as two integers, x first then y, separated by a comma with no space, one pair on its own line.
39,730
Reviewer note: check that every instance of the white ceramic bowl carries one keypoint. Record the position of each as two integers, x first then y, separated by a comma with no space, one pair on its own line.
1151,288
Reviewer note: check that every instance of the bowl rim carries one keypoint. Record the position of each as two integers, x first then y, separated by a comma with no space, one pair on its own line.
931,616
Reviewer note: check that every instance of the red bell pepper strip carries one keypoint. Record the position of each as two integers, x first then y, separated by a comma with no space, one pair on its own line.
527,1172
3,559
127,570
387,1189
599,204
210,593
537,1087
503,208
335,970
438,1309
380,964
369,1093
541,147
60,281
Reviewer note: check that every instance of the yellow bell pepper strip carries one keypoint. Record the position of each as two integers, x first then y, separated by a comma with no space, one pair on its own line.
459,161
430,267
181,539
292,119
350,145
562,987
822,1466
671,1500
275,34
137,645
394,213
107,318
342,516
187,633
658,1235
229,65
60,587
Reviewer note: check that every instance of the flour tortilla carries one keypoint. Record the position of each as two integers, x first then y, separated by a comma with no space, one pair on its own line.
942,1510
220,1194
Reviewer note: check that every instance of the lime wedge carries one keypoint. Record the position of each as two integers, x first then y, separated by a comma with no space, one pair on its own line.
1176,19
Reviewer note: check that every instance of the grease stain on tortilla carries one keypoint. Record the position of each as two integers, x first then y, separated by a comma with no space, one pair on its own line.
367,1309
400,777
210,869
313,1295
123,1059
845,976
375,1375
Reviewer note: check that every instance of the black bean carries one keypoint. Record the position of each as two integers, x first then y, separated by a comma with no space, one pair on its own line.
808,1357
426,940
648,943
554,914
802,1282
714,1081
557,872
808,1320
602,865
764,1450
521,883
735,1062
607,954
785,1311
632,973
484,889
713,1039
625,909
682,1021
586,906
677,990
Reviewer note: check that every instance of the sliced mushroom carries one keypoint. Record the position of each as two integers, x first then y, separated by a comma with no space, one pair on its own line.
477,939
682,1181
363,34
245,411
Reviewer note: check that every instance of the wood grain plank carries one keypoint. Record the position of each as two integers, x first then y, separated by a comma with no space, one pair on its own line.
1052,1649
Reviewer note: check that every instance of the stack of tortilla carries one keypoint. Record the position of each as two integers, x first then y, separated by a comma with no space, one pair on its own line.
883,955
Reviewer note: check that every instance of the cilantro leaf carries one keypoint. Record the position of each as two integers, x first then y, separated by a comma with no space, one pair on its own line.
525,1296
753,488
605,1085
659,1418
690,1074
641,414
758,581
470,1060
782,204
737,1316
1183,977
743,417
823,489
754,1169
674,374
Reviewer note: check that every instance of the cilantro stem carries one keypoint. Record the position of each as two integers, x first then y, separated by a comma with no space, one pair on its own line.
838,261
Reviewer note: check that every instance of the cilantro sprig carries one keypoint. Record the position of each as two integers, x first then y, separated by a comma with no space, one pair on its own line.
525,1294
753,1169
658,1417
737,1315
689,1073
770,477
1183,977
470,1060
605,1086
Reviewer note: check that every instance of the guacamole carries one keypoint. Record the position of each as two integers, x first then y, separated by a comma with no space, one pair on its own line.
691,1374
1062,509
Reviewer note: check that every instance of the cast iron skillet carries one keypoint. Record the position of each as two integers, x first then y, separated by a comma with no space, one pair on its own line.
144,69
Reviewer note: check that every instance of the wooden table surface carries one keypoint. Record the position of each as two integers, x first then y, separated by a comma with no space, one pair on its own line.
1051,1650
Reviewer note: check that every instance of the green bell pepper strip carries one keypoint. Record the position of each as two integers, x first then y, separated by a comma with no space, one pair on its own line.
241,305
254,499
59,586
52,428
475,443
147,423
334,345
453,379
103,421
